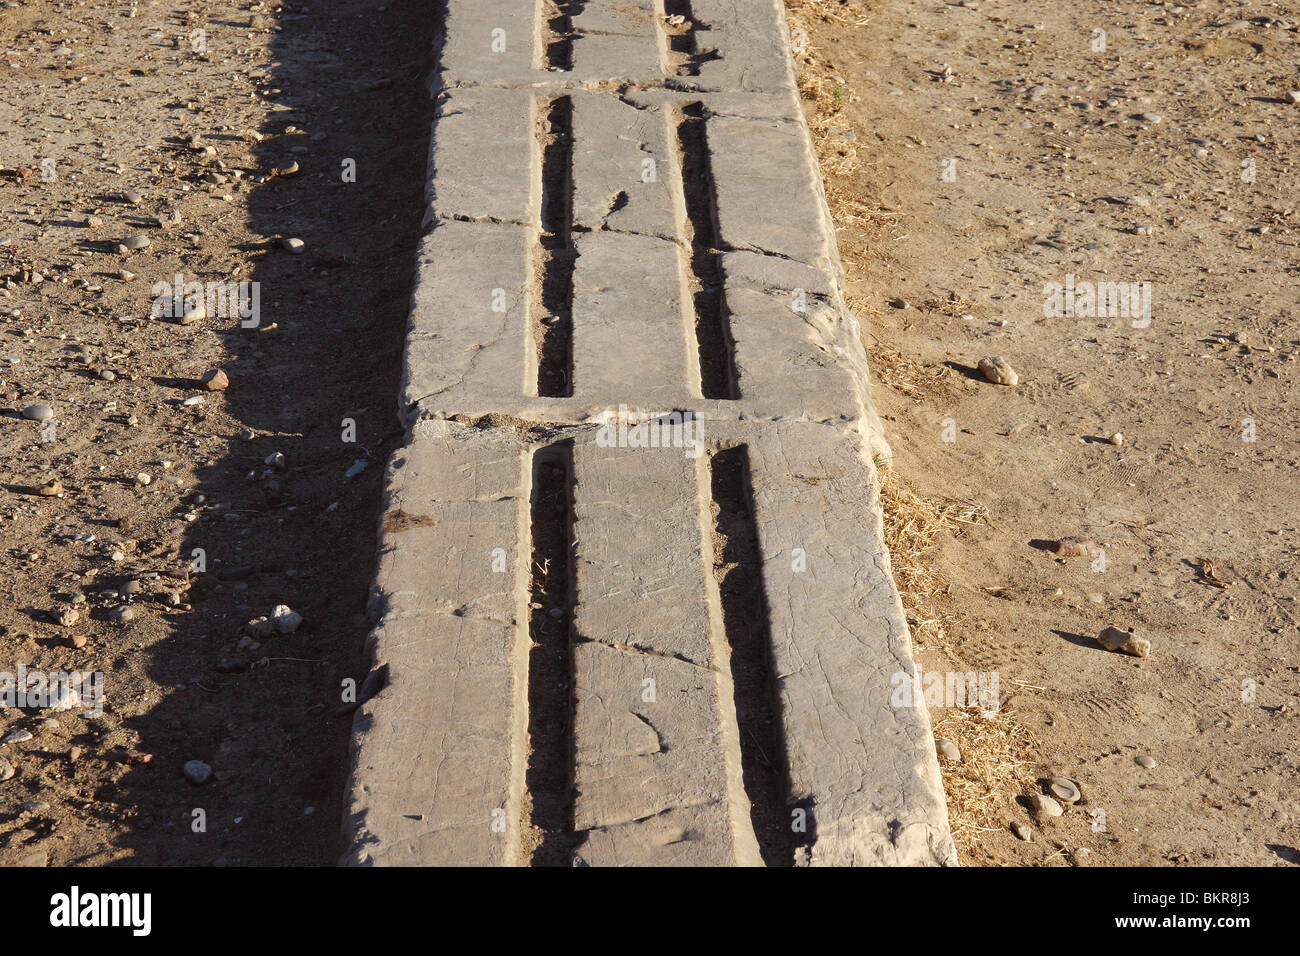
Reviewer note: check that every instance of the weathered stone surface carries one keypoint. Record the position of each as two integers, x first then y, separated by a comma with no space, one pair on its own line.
432,755
442,733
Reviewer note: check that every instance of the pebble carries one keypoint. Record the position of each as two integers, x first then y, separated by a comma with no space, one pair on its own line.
260,627
133,197
1075,547
998,371
34,806
122,615
126,275
287,168
1116,439
144,478
296,246
1022,832
1067,791
77,641
1293,96
16,736
108,375
132,587
215,380
286,621
1124,642
38,413
1148,117
51,489
138,241
948,750
1144,761
197,772
6,770
193,400
194,312
900,303
357,468
1045,806
276,461
68,617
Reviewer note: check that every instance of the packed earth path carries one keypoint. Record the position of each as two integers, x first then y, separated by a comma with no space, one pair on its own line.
218,132
981,157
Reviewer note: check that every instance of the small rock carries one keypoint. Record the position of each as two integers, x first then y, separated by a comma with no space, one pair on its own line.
193,400
126,275
138,241
107,375
1075,547
1148,117
37,858
1125,642
1045,806
77,641
357,468
1116,439
296,246
133,197
1293,96
1067,791
997,370
215,380
6,770
1022,832
197,772
286,169
948,750
122,615
276,460
143,478
132,587
34,806
286,621
51,489
16,736
68,617
1144,761
259,627
38,413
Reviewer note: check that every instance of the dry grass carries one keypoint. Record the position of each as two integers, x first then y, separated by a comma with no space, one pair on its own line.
997,751
997,754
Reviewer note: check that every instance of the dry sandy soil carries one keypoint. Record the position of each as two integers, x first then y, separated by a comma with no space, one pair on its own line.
974,153
1050,179
114,94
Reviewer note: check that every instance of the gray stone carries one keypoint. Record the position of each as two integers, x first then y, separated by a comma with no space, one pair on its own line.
947,750
1144,761
38,413
197,772
6,770
1124,642
1044,806
998,370
1066,791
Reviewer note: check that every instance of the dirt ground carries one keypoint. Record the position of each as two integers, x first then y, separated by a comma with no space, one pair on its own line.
974,153
128,98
